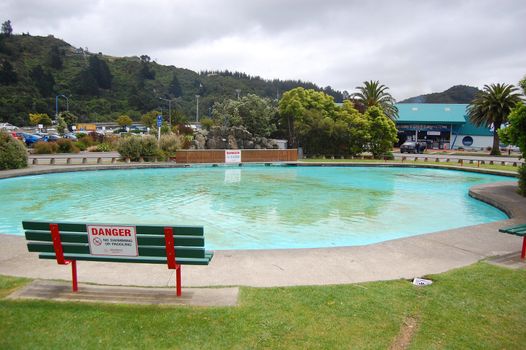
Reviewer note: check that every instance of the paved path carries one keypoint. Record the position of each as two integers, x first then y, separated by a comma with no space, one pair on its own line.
401,258
486,158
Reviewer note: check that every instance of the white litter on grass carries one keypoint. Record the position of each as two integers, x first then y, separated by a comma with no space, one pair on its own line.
421,282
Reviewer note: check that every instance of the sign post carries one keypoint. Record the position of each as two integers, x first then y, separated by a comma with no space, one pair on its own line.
159,123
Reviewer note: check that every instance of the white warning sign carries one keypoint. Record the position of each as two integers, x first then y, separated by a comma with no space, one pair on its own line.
112,240
232,156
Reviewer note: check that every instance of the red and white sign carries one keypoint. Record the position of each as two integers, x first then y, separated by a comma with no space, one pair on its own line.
233,156
112,240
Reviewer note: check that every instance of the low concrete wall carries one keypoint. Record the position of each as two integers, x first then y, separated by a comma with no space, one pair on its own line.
247,155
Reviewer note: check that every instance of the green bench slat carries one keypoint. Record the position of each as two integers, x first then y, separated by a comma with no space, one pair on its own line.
148,260
142,240
178,230
140,229
44,226
519,230
149,251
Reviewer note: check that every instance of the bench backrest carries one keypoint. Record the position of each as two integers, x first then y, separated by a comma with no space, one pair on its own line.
189,243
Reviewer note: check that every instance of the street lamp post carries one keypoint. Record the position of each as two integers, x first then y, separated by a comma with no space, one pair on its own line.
197,108
169,108
56,105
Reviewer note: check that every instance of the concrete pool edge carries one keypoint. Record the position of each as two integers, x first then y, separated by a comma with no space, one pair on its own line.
50,169
401,258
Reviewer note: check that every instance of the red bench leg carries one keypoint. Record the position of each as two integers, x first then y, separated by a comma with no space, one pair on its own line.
74,275
523,253
178,280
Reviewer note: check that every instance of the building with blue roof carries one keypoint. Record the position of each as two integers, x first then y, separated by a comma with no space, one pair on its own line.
442,126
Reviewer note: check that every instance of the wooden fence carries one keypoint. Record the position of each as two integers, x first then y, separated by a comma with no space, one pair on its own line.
247,156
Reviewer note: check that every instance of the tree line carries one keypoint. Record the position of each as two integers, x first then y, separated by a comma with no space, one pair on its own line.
34,70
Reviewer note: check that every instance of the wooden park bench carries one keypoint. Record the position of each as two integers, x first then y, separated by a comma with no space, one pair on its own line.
518,230
69,242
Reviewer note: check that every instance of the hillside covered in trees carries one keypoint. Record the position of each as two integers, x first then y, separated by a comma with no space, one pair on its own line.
34,70
455,94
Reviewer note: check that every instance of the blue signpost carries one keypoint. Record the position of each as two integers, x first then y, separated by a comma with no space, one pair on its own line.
159,123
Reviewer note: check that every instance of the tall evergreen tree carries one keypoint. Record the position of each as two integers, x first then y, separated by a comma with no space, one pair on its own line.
101,72
56,59
44,81
85,83
175,87
7,29
7,74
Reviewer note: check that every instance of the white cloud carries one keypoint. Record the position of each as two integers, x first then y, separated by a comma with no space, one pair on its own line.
413,47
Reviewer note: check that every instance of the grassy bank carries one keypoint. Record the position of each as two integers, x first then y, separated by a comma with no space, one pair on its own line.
431,161
481,306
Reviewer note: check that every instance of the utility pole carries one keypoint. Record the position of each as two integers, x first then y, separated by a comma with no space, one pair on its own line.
169,108
197,108
56,105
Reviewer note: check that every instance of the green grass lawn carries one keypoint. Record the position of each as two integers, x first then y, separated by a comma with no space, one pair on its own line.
477,307
410,160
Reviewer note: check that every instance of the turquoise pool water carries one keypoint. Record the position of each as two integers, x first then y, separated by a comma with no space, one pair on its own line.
257,207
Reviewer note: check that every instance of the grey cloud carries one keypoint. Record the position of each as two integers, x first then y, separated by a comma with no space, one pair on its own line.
412,46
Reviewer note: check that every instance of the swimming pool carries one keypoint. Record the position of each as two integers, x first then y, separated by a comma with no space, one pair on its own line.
257,207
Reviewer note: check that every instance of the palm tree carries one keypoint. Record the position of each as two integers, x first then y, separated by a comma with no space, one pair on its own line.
492,107
372,93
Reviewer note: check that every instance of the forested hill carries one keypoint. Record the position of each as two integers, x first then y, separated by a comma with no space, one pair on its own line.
35,69
455,94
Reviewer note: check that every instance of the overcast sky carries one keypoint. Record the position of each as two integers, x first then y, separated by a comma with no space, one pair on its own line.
414,47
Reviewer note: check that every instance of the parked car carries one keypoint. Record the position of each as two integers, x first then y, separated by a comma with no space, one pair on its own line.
51,138
16,135
30,139
413,147
70,136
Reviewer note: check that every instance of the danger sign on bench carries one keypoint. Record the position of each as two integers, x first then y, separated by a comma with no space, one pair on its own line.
67,242
112,240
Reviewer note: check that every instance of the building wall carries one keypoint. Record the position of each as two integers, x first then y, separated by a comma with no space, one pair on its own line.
247,155
479,142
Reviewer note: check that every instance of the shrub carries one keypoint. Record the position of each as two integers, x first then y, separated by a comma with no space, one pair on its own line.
389,156
111,140
42,147
135,147
170,144
515,134
85,142
67,146
81,146
522,180
207,123
149,147
96,137
103,147
13,153
130,147
184,129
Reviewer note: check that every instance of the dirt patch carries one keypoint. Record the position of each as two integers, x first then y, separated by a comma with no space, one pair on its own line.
407,330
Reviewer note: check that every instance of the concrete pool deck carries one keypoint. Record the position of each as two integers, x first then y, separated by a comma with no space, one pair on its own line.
401,258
